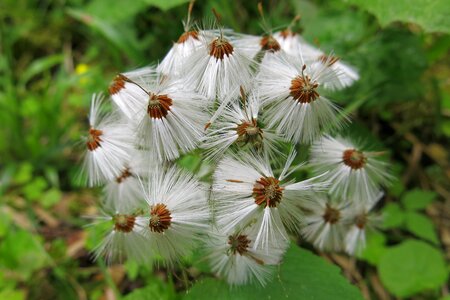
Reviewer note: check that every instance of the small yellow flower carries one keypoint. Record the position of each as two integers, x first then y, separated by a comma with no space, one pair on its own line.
81,70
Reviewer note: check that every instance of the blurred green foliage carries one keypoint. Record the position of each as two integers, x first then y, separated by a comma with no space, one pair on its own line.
55,54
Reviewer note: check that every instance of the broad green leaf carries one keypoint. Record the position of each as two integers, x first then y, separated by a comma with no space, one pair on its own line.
165,4
375,248
421,226
431,15
12,294
412,267
35,188
417,199
393,216
50,197
337,31
24,173
22,253
123,37
120,11
302,275
154,289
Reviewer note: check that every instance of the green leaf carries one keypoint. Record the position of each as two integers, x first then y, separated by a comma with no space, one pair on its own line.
417,199
421,226
24,173
393,216
35,188
191,162
22,253
40,65
132,269
431,15
302,275
12,294
50,197
412,267
166,4
154,289
122,37
375,248
120,11
5,222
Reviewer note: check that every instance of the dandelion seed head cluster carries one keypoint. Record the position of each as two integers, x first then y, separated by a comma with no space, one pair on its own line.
246,102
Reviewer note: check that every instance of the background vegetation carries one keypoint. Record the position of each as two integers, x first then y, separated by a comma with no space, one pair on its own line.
56,53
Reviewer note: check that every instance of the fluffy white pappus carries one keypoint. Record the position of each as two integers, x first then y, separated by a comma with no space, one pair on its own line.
122,237
127,93
290,90
109,143
248,44
346,75
325,223
174,61
234,258
169,118
238,127
353,172
125,191
178,213
360,220
245,191
294,44
218,68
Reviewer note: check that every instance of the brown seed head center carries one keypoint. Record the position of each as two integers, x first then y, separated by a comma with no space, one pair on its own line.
220,47
328,59
354,159
124,223
158,106
160,218
267,192
331,215
125,174
269,43
118,84
303,89
185,36
361,221
94,139
287,33
238,244
249,132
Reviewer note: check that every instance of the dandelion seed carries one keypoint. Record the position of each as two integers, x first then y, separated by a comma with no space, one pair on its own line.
353,172
122,238
125,191
126,91
174,62
168,117
294,45
238,127
219,67
360,220
295,105
109,142
325,222
177,213
245,191
234,258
